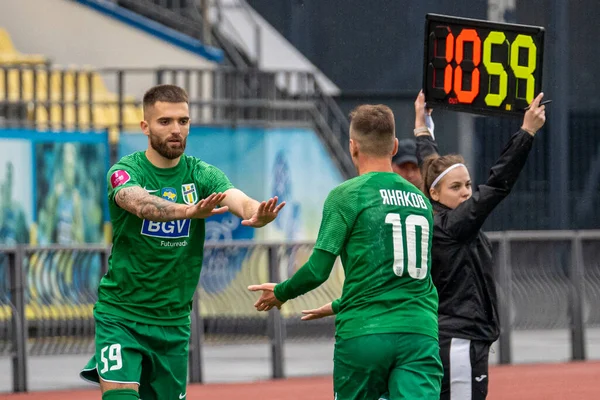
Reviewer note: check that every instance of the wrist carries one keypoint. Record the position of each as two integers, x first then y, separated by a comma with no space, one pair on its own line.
277,292
421,130
181,212
528,130
250,208
420,123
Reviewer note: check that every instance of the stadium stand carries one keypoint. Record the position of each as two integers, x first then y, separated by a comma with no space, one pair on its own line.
10,55
56,97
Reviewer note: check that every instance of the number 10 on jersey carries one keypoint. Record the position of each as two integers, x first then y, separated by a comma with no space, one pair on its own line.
407,232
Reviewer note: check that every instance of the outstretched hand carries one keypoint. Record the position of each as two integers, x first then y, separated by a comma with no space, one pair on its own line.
321,312
266,212
267,299
535,117
206,207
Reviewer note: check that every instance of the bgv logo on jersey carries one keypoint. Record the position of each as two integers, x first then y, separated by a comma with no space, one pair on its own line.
167,230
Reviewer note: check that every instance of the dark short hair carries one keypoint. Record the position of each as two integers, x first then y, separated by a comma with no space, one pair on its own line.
164,93
375,128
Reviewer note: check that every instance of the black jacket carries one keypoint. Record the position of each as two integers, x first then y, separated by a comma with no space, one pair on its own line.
461,255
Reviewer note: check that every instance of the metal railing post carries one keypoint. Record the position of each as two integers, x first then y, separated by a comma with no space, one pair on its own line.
120,97
104,261
504,311
19,331
21,110
159,76
115,137
196,339
577,278
275,321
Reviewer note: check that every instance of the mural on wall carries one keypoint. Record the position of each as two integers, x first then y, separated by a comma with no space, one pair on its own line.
53,192
16,211
70,192
52,187
302,173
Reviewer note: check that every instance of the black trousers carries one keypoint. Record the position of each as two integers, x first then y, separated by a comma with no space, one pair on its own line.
465,369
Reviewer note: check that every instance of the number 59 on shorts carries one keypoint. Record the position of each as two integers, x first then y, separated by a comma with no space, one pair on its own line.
114,361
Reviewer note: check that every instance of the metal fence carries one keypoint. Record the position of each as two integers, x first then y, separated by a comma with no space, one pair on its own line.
45,97
547,280
71,98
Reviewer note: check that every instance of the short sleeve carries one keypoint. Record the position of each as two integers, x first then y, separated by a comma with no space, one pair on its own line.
335,305
339,215
120,176
211,179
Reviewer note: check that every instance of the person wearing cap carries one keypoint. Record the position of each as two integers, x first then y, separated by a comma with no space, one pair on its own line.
405,162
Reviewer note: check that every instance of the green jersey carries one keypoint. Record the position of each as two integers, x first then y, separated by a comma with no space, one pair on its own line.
154,267
381,226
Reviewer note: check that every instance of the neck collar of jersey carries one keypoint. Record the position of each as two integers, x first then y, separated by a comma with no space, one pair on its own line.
163,171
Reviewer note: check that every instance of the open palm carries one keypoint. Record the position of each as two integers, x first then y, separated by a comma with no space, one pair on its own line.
267,211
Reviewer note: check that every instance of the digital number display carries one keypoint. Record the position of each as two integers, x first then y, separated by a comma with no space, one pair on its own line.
481,67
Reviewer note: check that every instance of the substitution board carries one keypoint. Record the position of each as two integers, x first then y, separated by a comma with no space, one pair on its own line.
481,67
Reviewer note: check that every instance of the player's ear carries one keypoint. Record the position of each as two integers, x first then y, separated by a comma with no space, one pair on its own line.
145,127
353,147
395,150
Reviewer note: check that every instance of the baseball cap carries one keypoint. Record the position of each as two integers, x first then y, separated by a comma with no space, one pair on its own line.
407,152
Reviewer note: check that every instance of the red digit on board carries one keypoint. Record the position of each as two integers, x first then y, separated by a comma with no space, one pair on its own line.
467,96
439,61
449,56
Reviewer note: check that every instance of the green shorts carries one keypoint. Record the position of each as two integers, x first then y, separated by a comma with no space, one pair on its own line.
400,365
155,357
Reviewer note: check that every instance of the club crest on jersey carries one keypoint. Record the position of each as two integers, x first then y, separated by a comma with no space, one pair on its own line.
169,194
190,196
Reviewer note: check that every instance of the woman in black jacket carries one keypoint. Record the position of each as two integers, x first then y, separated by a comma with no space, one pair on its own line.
461,255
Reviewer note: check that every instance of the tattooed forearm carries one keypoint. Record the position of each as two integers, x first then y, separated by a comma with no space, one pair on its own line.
146,206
